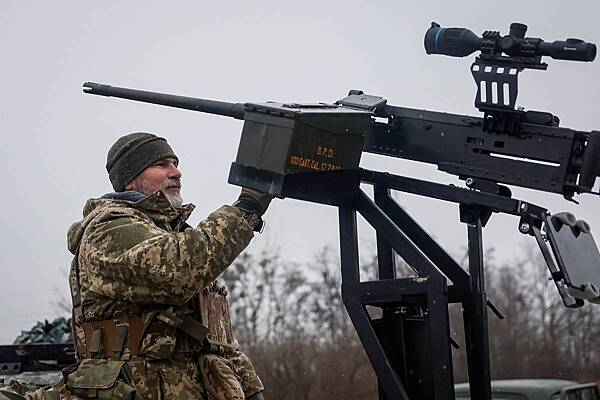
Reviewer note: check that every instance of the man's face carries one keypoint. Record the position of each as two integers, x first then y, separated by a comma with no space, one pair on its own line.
164,176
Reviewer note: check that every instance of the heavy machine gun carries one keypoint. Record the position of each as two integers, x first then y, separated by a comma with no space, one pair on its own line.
312,152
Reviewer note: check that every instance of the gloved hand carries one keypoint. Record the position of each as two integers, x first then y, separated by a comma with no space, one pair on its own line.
253,201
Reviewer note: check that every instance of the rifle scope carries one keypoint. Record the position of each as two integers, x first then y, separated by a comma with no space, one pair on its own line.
460,42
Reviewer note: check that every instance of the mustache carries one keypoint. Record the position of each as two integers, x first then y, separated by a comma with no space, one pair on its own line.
172,184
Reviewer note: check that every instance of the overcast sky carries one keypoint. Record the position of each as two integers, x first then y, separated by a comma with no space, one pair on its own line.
55,138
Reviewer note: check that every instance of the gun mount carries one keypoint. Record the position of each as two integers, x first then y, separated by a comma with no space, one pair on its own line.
312,152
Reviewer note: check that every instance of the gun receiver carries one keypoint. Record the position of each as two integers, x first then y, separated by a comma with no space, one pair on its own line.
288,138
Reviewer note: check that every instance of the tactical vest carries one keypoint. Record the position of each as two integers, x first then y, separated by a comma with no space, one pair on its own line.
155,333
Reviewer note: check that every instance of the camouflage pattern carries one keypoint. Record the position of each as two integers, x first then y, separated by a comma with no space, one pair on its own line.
21,390
15,390
214,312
141,258
105,379
229,375
138,254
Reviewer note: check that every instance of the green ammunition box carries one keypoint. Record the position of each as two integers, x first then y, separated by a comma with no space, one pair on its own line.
279,140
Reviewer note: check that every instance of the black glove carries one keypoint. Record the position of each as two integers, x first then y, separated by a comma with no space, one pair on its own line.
253,201
253,205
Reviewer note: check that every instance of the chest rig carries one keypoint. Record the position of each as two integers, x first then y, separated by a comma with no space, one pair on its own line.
203,325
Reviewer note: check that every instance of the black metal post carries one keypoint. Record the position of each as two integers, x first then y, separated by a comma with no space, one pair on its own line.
386,259
408,345
349,246
475,309
388,378
424,242
396,238
386,263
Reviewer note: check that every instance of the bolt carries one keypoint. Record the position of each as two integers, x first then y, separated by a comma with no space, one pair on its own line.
470,182
524,227
523,207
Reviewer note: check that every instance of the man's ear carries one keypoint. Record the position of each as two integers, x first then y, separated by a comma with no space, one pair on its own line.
129,186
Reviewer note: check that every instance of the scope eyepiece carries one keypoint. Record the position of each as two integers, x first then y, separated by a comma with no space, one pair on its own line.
570,49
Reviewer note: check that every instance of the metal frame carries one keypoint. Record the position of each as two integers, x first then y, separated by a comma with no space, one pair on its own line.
408,342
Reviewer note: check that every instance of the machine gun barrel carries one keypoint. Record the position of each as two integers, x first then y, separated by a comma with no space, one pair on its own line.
235,110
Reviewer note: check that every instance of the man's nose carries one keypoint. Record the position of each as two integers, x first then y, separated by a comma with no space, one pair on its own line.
174,172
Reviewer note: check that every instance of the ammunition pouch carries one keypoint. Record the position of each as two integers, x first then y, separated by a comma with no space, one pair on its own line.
157,335
109,338
101,379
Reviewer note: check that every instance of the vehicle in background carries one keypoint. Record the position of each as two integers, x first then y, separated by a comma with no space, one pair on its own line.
38,355
535,389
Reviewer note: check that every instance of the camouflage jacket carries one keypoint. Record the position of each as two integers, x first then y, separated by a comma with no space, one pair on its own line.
139,258
136,255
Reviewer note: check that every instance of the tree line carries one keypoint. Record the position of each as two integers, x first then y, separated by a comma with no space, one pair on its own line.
289,317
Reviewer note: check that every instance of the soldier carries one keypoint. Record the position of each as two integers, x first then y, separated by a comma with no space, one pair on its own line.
148,315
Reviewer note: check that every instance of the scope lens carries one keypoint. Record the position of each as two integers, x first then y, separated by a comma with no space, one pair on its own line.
431,38
455,42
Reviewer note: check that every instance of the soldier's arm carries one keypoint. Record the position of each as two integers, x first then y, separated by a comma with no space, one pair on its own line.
126,257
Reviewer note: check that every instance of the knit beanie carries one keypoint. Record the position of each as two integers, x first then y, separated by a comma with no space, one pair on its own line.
133,153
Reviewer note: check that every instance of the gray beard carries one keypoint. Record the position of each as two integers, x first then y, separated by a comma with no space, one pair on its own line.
175,199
